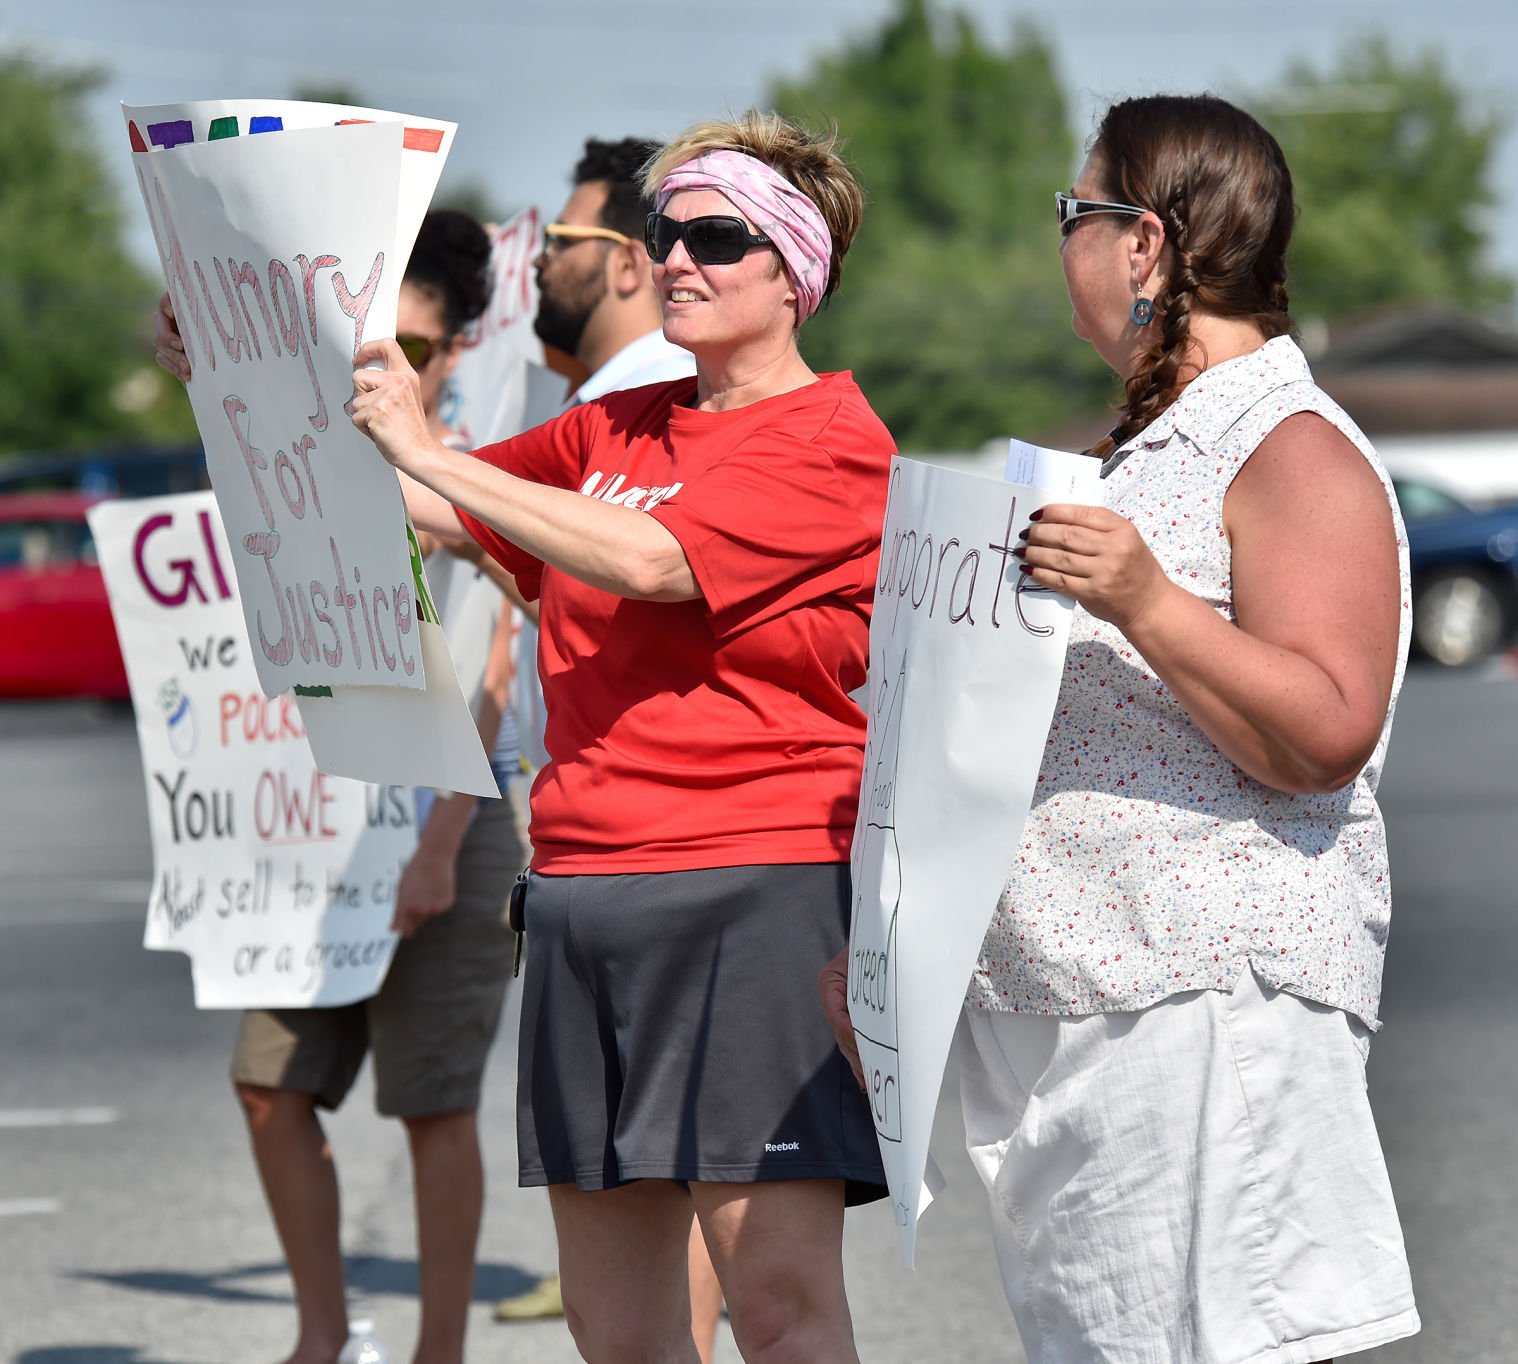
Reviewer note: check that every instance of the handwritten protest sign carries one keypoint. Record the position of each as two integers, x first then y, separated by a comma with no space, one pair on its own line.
496,389
965,664
502,387
283,251
283,229
277,880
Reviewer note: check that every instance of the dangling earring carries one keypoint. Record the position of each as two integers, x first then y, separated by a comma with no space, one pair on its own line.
1141,314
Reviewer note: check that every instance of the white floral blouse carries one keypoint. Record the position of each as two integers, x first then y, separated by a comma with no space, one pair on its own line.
1149,863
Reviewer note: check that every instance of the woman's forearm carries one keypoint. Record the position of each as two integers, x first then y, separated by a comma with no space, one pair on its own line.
606,546
430,513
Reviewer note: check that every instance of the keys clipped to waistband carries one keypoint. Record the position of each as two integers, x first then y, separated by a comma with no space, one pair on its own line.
516,918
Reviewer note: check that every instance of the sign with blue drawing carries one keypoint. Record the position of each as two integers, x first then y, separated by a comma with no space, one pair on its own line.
277,880
965,664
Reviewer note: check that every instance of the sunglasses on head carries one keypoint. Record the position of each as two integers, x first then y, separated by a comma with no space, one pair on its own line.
1068,210
418,350
714,240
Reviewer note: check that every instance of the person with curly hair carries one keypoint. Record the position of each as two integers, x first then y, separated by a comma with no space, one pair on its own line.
430,1027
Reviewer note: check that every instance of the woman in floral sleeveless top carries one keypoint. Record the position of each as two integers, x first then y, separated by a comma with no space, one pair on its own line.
1162,1051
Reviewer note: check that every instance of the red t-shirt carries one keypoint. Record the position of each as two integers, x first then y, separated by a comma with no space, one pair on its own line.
716,732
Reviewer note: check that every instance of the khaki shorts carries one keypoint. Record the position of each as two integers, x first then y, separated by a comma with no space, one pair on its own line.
432,1023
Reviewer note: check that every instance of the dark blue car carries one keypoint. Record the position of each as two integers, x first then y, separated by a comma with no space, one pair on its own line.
1465,574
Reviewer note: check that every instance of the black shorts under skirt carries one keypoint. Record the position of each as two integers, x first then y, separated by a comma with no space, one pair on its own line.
671,1030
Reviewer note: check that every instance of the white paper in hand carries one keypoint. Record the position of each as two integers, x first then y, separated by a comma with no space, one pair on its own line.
1074,478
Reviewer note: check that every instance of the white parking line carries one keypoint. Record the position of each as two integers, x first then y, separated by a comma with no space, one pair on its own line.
125,891
29,1207
114,892
57,1117
47,902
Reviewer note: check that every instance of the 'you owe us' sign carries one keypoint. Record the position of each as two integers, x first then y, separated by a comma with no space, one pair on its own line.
276,880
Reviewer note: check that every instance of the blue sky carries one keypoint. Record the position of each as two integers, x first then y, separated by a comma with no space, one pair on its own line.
528,83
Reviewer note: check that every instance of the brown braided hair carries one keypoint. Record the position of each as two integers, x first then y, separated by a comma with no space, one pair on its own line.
1219,183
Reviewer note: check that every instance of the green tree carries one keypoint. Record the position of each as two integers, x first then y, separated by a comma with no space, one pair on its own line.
1392,164
953,316
75,311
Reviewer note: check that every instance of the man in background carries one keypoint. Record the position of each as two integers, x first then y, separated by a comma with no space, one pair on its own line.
596,299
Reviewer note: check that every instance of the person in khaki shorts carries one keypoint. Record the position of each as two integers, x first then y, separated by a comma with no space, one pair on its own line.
430,1027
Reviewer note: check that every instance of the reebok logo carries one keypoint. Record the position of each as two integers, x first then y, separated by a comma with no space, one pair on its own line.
782,1146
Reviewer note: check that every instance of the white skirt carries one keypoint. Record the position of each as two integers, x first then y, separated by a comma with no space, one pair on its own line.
1199,1182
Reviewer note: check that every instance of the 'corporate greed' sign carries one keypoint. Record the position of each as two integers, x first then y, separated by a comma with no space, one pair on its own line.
965,664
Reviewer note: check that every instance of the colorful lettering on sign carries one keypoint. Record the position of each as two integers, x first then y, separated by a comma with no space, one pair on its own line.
176,132
423,139
171,133
171,583
413,140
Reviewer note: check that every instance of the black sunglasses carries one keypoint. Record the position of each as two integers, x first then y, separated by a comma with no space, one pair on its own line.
714,240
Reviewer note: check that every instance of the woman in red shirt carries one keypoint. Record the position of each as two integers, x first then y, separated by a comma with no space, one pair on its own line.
705,553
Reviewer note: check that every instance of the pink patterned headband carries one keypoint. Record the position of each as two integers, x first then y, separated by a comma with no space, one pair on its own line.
775,206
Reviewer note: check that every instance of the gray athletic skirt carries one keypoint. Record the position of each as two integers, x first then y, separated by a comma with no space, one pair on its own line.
671,1029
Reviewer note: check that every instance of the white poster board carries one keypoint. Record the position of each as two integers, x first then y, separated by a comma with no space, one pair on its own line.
277,880
502,388
469,608
274,292
490,388
284,229
499,388
374,733
965,664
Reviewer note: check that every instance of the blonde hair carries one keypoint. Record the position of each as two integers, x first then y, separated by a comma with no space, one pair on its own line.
810,161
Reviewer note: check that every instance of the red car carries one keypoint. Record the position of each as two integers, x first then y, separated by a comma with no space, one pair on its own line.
57,637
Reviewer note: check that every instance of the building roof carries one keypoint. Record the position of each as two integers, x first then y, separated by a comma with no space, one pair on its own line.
1408,370
1425,368
1423,336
